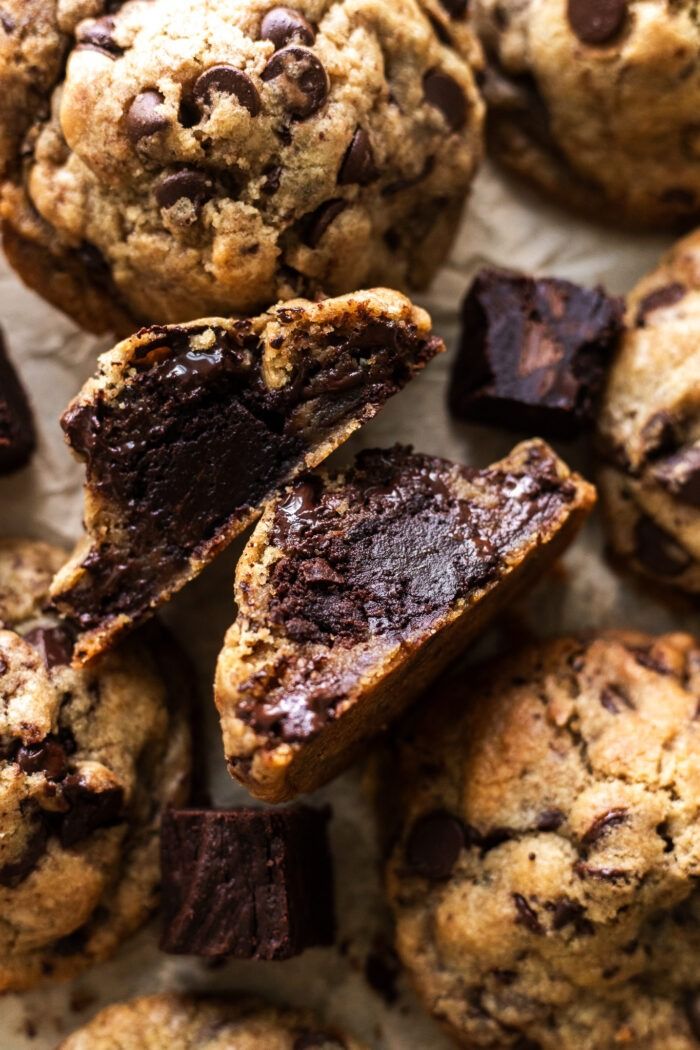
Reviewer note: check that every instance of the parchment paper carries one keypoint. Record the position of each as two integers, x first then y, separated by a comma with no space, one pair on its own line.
506,225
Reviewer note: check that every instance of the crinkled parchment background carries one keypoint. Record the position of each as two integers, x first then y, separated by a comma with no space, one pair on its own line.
506,225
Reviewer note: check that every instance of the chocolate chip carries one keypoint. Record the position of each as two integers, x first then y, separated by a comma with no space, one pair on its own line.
7,22
434,844
358,163
692,1011
54,643
98,37
227,80
596,21
316,224
445,94
669,295
680,475
89,809
550,820
305,83
382,970
527,916
281,25
566,913
48,757
455,8
602,824
145,117
613,697
187,184
271,184
658,551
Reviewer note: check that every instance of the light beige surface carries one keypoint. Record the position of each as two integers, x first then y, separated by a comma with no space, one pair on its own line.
506,226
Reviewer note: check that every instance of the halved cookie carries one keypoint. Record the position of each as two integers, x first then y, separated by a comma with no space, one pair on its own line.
187,430
357,588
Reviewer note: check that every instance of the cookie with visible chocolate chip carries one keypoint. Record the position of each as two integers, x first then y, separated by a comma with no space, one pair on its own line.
181,159
179,1022
649,427
357,588
544,866
595,101
88,760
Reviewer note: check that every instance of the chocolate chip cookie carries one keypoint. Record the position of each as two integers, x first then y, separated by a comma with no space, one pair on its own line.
187,430
650,426
88,759
167,160
178,1022
545,868
596,101
357,588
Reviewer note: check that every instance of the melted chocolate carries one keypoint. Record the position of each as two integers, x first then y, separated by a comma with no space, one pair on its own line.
196,439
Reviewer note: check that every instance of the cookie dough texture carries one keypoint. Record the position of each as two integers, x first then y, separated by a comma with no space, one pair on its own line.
650,426
165,159
181,1023
544,879
596,102
87,761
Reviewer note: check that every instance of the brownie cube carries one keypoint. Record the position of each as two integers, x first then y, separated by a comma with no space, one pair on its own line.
533,353
246,883
17,436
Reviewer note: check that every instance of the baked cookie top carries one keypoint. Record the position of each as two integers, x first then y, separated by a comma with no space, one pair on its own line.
88,759
545,864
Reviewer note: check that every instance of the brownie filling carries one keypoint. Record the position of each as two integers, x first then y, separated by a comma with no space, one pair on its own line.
196,439
383,556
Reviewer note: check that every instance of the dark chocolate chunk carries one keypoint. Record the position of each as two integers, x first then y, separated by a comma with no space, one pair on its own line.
657,550
187,184
526,915
358,163
303,80
550,820
98,36
145,116
692,1012
596,21
55,643
567,913
17,435
7,22
282,25
615,697
533,353
668,295
434,845
602,824
48,757
227,80
316,224
455,8
444,93
680,475
248,883
89,809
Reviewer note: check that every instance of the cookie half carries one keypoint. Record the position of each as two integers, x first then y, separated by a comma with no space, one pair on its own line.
357,588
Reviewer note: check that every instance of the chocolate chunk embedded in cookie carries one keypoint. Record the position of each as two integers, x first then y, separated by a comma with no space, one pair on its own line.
357,588
17,434
543,869
649,427
178,1022
88,760
533,353
187,430
246,883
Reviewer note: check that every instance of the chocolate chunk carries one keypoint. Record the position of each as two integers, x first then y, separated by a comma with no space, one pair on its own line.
550,820
187,184
316,224
282,25
382,970
358,163
247,883
303,80
568,913
48,757
444,93
526,915
455,8
227,80
17,435
7,22
434,845
657,550
602,824
533,353
89,810
145,116
669,295
596,21
615,697
680,475
692,1012
99,37
55,643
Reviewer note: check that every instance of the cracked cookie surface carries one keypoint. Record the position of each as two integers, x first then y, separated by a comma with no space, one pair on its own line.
546,859
88,759
649,426
596,102
216,158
